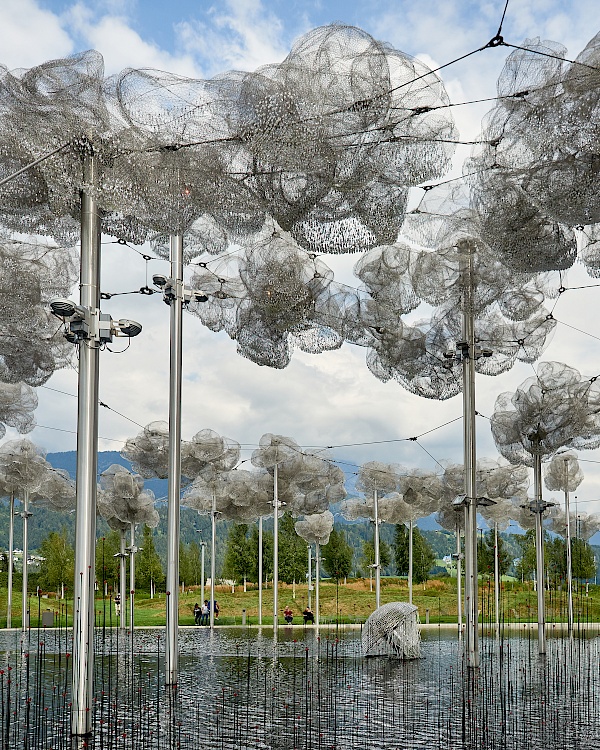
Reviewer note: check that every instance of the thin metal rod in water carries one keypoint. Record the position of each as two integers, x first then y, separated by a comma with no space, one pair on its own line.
410,562
459,579
497,578
260,569
202,579
275,547
25,516
174,473
309,576
376,547
87,465
11,556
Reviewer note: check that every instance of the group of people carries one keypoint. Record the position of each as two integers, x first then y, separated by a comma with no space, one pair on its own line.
308,615
202,613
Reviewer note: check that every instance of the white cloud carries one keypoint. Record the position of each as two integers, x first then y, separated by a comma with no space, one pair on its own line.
30,35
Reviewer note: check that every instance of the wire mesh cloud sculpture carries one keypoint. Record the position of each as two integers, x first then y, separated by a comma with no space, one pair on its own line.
556,408
393,630
18,403
563,473
315,528
148,452
56,491
123,497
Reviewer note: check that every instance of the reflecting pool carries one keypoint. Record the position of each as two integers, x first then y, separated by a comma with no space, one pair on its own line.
241,688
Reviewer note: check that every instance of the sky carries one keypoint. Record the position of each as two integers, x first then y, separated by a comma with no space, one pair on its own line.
329,399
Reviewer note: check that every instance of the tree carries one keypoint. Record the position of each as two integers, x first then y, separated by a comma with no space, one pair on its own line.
485,555
267,561
148,566
293,555
423,557
238,562
555,555
582,556
107,565
401,549
337,555
526,565
57,566
194,563
368,554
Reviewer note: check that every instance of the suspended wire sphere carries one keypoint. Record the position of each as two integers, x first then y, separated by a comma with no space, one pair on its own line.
563,473
393,630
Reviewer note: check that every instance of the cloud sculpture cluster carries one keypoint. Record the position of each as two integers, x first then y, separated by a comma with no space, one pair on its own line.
315,528
556,408
123,501
535,176
563,473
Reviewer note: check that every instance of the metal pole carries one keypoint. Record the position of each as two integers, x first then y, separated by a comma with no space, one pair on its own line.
202,548
539,549
569,552
376,546
260,568
317,578
132,578
11,554
309,575
497,577
174,475
122,575
410,562
471,580
25,515
213,554
87,464
275,547
458,578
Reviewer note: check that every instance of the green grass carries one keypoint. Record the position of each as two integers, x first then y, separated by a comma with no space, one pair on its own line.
350,603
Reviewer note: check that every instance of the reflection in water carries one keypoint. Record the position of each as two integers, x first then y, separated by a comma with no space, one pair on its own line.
240,689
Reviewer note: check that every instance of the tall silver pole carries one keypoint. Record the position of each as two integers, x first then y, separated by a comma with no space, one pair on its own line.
497,577
87,464
317,580
410,562
202,548
538,509
24,603
122,576
275,547
471,578
458,578
11,555
260,568
309,575
174,475
376,546
132,578
569,552
213,555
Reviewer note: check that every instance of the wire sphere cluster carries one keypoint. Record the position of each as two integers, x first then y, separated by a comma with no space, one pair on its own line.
123,501
563,473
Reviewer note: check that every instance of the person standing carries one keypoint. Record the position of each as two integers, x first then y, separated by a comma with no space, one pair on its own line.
204,613
197,613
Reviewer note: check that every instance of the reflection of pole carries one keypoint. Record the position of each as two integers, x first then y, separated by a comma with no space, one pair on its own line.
458,578
260,569
569,551
174,475
275,546
538,509
122,575
497,577
410,561
132,577
11,555
317,580
471,582
309,575
25,515
87,463
376,546
213,554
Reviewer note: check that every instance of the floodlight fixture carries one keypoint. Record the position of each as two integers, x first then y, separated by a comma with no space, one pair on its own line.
460,501
159,280
63,307
129,328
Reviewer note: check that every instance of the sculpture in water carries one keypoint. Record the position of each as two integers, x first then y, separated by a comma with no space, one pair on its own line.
393,630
